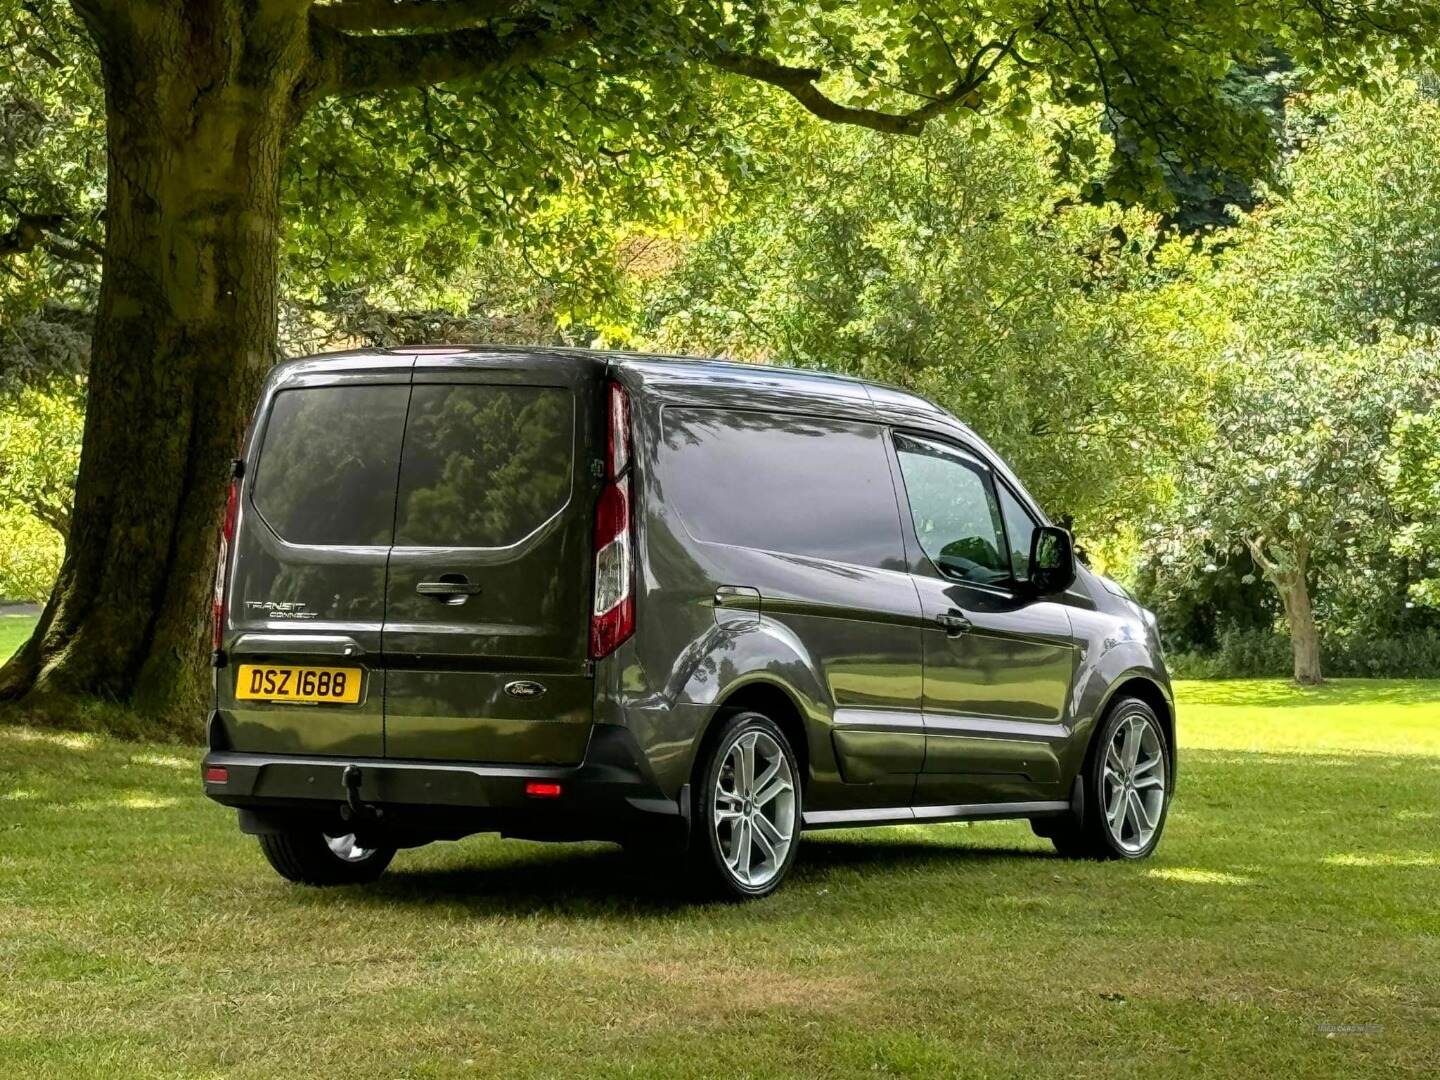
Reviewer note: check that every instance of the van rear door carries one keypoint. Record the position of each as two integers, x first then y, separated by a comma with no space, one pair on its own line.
488,594
306,599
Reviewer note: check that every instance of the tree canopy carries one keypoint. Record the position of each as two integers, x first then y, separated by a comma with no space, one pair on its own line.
305,166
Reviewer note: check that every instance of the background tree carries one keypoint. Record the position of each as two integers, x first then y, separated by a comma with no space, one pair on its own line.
960,268
204,101
1335,274
1295,470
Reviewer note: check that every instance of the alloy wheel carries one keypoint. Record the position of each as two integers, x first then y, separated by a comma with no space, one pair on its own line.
755,809
1133,783
346,849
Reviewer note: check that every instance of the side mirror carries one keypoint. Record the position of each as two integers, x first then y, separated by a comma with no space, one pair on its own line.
1052,560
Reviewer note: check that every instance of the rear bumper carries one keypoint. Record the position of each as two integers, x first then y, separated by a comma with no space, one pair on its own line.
609,795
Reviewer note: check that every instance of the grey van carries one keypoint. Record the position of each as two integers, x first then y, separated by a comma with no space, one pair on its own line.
690,606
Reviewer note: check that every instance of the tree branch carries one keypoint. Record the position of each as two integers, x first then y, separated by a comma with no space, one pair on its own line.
29,233
1268,567
799,83
352,64
362,16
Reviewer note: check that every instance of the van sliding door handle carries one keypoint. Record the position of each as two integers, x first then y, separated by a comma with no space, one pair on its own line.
954,625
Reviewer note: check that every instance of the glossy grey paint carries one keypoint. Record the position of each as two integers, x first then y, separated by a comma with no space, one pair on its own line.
448,659
1013,728
893,711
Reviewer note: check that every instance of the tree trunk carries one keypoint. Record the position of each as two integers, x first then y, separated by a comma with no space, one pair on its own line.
1304,638
199,101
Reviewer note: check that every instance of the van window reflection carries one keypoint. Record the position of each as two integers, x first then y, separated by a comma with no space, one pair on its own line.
483,466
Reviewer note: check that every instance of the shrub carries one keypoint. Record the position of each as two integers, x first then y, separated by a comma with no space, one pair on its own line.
1251,654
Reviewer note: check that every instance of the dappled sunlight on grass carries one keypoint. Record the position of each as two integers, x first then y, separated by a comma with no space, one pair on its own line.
137,802
167,761
1282,693
1193,876
1392,858
69,740
1349,716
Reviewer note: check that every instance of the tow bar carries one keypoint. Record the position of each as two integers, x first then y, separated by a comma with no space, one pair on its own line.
354,809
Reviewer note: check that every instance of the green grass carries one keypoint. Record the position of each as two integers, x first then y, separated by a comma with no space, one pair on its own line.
140,934
14,630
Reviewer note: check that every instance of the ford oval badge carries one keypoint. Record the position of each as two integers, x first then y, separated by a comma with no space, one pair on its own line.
524,688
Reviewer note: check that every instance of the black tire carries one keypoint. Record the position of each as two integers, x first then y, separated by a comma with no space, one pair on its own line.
710,869
306,857
1087,835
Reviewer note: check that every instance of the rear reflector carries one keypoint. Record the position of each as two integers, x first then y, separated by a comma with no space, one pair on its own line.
217,774
540,789
618,441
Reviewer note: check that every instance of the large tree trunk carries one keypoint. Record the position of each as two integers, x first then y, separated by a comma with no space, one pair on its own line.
1304,637
199,99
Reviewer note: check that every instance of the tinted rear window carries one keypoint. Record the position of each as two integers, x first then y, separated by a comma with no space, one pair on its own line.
792,484
326,471
483,466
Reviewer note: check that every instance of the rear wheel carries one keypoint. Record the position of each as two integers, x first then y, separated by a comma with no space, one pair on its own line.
311,857
1126,790
746,815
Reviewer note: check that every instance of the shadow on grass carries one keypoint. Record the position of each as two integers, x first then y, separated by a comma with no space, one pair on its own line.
1281,693
600,881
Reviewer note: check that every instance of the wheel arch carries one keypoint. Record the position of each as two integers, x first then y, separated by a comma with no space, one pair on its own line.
770,699
1148,690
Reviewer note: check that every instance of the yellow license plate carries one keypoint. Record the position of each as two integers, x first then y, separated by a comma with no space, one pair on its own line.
281,682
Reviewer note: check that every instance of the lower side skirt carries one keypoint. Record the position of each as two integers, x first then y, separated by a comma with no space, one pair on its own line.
919,815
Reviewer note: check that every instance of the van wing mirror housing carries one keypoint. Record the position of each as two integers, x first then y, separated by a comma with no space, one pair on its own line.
1052,560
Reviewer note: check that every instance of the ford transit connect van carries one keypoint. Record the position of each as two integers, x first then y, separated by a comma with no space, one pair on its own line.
693,607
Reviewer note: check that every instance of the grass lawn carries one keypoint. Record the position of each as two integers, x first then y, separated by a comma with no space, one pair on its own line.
1288,927
14,629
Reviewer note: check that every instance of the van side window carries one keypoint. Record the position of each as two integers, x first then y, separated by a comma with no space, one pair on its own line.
794,484
326,470
1019,528
957,519
484,466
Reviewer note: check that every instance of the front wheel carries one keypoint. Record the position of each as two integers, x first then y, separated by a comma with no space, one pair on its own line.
747,809
1126,789
312,857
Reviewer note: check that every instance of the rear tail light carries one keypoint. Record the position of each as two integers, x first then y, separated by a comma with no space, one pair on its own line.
217,774
539,789
612,616
227,534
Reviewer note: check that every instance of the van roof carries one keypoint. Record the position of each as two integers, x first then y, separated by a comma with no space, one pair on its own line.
689,379
671,372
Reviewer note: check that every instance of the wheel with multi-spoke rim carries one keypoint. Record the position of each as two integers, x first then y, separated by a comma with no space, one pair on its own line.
314,857
746,817
1126,789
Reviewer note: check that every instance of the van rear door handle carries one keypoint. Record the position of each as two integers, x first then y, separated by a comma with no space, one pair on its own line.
451,588
954,624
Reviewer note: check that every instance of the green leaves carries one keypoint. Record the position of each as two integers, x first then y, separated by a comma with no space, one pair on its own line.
961,270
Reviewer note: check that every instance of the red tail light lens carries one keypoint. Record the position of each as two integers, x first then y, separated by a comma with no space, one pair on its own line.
539,789
227,534
612,616
612,619
217,774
